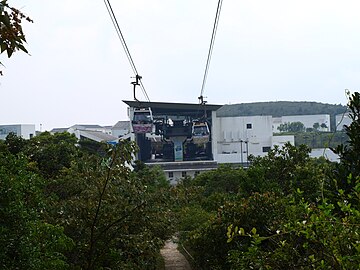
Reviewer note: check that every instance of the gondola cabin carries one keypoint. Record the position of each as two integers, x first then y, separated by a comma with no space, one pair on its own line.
142,121
200,132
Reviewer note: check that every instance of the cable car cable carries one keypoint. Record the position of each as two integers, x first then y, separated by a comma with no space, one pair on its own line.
216,22
123,43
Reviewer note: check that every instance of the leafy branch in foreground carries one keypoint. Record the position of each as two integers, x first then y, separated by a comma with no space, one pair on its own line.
12,37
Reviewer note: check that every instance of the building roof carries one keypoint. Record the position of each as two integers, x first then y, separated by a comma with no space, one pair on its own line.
58,130
122,125
97,136
86,126
158,108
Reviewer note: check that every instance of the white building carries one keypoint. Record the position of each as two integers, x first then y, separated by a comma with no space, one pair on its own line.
92,132
282,140
120,129
341,120
96,128
22,130
307,120
326,153
235,138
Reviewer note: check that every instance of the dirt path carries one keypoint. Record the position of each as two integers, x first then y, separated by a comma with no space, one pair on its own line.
174,260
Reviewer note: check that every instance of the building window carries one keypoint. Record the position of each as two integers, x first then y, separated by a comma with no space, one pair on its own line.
183,174
249,126
171,174
266,149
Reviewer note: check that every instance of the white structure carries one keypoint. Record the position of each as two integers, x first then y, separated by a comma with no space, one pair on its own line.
341,120
96,128
21,130
93,132
120,129
235,138
97,136
282,140
326,153
307,120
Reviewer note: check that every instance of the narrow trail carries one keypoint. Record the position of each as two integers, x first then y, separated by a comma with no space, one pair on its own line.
174,260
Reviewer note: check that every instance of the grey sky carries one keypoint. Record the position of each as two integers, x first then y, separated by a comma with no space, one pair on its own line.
265,50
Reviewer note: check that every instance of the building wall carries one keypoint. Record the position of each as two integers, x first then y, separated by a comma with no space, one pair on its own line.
118,133
175,176
238,137
23,130
326,153
307,120
341,120
281,140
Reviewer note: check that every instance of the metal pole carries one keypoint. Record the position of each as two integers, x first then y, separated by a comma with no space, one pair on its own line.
247,153
241,151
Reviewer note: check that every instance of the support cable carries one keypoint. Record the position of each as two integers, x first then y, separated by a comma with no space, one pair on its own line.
216,22
123,43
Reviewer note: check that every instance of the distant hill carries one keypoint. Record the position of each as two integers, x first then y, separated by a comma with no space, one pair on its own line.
281,108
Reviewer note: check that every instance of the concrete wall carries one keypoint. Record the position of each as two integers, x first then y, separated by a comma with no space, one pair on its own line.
281,140
238,137
175,176
341,120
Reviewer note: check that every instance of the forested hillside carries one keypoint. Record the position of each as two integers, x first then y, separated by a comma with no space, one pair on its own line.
281,108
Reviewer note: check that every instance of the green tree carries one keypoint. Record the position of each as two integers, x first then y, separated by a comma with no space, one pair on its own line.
296,127
52,153
316,126
293,127
118,219
323,125
27,241
15,144
224,179
317,234
283,127
348,170
12,37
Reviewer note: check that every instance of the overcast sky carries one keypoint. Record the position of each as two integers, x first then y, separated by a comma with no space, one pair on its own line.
78,73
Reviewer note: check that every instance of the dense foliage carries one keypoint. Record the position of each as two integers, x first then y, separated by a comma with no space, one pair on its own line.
292,127
67,206
321,139
287,211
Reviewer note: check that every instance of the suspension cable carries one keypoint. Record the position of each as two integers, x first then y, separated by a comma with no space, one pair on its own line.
123,43
216,22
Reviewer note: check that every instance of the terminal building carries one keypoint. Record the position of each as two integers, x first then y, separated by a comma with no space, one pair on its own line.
172,143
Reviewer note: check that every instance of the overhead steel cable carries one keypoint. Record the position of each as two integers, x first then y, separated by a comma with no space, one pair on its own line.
123,43
216,22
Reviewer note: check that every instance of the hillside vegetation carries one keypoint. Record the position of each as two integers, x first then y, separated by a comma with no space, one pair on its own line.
69,204
286,211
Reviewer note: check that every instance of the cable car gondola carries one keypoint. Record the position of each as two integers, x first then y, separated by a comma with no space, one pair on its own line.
142,121
200,133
